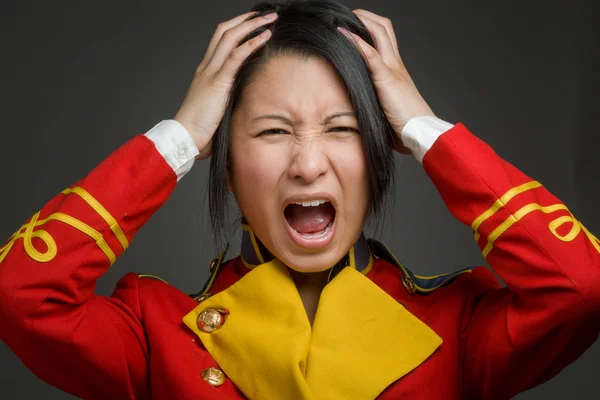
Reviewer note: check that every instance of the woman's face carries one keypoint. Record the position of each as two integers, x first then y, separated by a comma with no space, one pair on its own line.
298,168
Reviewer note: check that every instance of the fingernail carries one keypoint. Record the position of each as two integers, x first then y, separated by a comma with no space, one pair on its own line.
271,16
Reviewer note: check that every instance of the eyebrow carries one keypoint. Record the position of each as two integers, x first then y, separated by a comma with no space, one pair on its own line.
289,122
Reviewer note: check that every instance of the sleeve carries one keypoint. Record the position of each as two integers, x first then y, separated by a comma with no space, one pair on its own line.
91,346
518,336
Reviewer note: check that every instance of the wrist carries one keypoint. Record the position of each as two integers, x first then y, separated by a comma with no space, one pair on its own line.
200,139
175,144
420,133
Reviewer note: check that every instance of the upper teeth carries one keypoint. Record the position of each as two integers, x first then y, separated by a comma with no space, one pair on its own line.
310,203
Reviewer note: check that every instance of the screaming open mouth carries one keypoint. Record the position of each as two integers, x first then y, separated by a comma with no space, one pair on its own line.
311,223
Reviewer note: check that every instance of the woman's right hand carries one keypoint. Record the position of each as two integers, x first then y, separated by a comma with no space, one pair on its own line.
205,101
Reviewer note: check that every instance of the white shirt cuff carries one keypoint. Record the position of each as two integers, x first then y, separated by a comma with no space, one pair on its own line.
420,133
175,144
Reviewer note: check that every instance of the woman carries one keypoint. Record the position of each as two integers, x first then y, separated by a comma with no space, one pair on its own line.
301,119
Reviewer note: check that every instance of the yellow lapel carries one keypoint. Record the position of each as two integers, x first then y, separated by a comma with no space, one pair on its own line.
361,341
264,341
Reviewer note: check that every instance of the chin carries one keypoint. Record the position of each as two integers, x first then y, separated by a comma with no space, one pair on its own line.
311,260
311,263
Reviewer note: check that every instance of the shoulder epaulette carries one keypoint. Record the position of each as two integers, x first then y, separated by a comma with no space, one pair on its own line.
153,277
215,267
422,285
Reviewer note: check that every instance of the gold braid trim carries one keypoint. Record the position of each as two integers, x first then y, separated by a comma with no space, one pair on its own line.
28,234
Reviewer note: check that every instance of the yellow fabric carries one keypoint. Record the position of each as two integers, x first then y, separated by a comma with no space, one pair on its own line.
362,340
263,344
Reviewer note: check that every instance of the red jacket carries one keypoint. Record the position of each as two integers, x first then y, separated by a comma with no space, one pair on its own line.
456,336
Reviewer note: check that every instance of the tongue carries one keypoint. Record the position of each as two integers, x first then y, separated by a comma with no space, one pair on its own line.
309,219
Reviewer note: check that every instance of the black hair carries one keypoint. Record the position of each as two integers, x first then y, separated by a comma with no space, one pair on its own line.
308,28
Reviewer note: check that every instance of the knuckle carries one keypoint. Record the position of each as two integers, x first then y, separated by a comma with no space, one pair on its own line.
206,73
255,41
227,35
221,28
199,76
236,54
387,22
380,28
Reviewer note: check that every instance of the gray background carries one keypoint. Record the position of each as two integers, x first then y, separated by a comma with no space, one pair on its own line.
81,78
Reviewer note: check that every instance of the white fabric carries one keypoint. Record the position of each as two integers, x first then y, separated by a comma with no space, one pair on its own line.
175,144
420,133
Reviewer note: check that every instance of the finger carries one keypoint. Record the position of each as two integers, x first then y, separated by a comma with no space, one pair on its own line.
383,44
371,56
239,54
232,37
216,37
387,24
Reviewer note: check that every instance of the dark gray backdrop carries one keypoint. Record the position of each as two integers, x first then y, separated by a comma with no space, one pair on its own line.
81,78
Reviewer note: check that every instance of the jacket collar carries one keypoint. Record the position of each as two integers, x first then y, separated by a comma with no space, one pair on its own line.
254,253
268,348
361,341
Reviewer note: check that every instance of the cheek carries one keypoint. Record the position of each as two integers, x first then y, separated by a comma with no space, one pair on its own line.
254,173
352,169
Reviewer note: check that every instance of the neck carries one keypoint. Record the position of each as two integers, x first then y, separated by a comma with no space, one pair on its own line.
310,286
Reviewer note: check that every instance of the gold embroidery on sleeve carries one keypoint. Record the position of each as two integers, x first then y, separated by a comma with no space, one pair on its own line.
100,210
501,202
49,241
553,225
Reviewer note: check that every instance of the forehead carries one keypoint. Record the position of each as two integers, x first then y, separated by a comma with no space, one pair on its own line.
300,87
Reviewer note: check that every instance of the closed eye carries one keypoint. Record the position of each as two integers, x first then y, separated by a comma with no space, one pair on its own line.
335,129
273,132
344,129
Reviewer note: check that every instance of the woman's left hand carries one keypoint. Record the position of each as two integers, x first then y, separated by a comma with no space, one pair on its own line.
397,92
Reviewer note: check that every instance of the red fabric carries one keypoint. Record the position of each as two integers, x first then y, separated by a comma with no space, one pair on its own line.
497,341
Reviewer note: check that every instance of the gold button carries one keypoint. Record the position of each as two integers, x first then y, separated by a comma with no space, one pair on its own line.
213,264
202,297
409,284
210,320
214,376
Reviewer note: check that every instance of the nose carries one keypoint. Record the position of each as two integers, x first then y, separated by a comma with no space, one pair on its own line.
309,161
